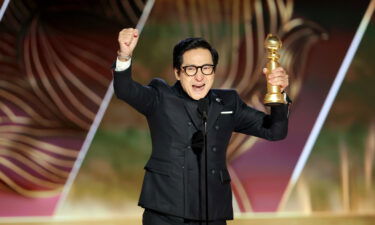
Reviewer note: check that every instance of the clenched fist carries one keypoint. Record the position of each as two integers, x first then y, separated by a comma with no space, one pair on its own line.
127,40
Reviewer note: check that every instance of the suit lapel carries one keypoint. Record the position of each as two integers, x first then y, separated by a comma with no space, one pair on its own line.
216,107
189,105
191,109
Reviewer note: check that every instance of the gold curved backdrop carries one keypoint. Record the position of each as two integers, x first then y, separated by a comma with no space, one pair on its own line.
55,59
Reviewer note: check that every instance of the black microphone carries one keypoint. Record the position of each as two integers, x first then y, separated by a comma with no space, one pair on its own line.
203,108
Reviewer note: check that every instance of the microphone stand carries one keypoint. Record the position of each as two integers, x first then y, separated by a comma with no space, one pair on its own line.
205,160
202,109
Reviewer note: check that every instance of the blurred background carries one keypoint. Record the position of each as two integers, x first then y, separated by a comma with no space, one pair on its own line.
71,153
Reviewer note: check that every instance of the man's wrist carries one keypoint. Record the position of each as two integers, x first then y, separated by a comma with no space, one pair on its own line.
123,57
286,97
121,66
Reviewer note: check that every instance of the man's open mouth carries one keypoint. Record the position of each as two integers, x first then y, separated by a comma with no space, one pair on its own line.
198,87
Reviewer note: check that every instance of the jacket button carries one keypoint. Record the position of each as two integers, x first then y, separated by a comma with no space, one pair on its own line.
213,171
189,147
214,149
217,127
189,124
183,167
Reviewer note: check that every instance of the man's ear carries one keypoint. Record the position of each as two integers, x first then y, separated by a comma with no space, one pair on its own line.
176,73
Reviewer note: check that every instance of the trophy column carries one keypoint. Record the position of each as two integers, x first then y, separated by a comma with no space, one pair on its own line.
273,95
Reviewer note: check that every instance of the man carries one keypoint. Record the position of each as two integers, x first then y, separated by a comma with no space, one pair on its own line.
172,190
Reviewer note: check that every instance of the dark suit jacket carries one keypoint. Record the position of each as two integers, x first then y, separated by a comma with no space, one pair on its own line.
171,179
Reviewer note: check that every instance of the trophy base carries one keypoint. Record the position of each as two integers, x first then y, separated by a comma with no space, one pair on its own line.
274,99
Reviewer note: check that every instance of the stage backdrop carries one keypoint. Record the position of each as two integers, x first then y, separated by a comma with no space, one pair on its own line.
55,61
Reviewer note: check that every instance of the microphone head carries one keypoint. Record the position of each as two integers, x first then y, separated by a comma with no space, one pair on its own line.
203,107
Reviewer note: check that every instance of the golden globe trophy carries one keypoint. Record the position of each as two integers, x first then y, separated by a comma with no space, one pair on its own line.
273,95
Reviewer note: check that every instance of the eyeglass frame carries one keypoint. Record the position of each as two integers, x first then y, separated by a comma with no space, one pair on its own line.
199,67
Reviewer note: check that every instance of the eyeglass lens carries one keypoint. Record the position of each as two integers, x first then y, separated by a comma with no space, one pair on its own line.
192,70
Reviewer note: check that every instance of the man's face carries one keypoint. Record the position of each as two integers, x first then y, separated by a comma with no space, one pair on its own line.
196,86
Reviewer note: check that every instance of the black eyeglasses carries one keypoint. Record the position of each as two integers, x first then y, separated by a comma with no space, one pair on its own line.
191,70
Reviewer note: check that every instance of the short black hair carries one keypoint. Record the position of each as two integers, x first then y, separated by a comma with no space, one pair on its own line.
192,43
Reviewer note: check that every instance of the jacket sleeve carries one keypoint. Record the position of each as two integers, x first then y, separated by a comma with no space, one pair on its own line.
143,98
250,121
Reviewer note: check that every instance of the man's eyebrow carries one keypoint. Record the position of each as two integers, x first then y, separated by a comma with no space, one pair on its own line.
210,64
